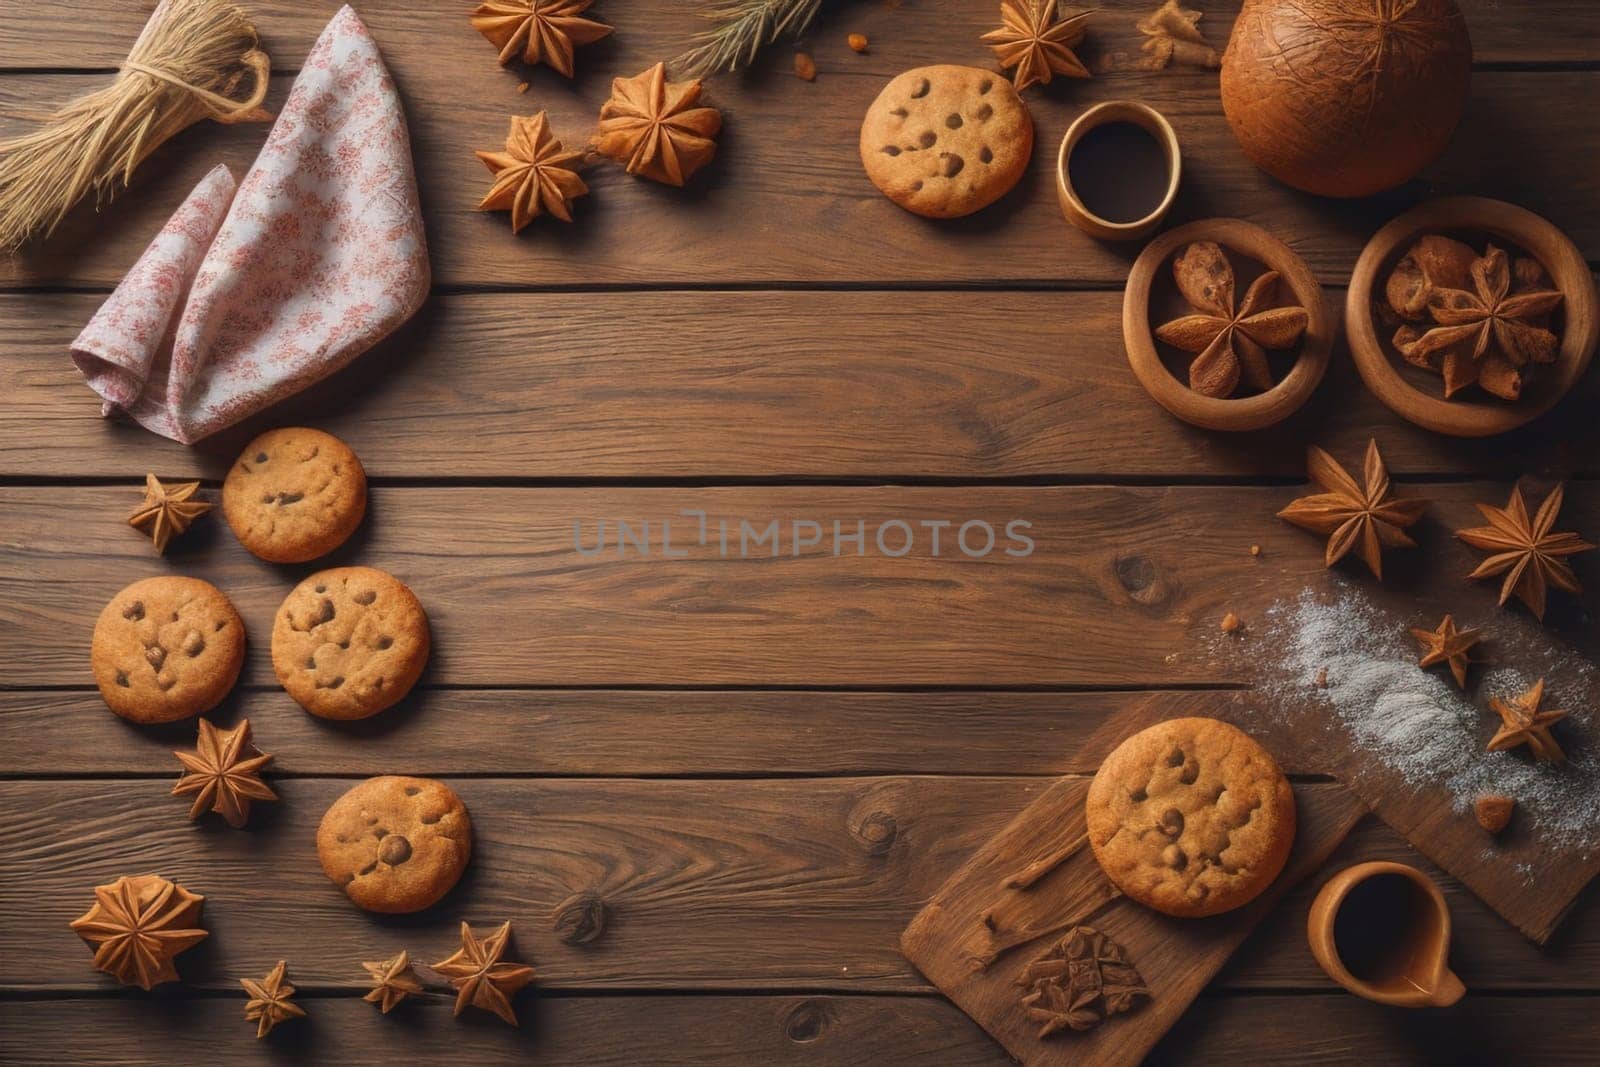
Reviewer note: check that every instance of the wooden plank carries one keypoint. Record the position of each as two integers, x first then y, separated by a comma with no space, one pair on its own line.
768,883
1124,586
132,1031
823,384
627,733
96,33
621,1030
787,201
1345,1030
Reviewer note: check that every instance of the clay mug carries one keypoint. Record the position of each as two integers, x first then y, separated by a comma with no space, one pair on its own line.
1408,965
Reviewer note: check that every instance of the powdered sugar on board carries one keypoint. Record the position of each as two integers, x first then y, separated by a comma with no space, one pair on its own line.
1413,727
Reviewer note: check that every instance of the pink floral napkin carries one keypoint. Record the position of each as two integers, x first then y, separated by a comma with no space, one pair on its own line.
251,293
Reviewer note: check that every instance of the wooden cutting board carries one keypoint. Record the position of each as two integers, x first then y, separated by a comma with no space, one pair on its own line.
1527,881
984,926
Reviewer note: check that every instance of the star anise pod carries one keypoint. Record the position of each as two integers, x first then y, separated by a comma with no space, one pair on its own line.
1525,551
1356,519
223,773
393,980
533,175
479,978
1522,723
1447,645
538,30
138,924
269,1002
1036,43
1228,343
167,510
653,128
1486,335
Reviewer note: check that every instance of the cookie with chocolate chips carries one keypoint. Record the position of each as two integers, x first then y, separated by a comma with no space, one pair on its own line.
944,141
395,844
349,642
294,494
166,648
1191,817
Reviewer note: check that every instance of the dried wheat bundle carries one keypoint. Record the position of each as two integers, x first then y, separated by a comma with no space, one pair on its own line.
189,61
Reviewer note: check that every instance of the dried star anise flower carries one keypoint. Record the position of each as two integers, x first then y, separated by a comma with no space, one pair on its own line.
138,925
1448,645
1522,723
1036,43
1228,344
1525,551
538,30
653,128
1354,519
533,175
270,1002
223,773
1083,980
393,980
1491,316
480,978
167,510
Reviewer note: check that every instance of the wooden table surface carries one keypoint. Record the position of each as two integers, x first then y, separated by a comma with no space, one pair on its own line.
764,766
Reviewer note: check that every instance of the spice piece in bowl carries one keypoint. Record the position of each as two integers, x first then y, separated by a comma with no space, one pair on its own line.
1474,320
1230,343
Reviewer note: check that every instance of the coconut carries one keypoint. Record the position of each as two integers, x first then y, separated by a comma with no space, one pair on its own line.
1346,97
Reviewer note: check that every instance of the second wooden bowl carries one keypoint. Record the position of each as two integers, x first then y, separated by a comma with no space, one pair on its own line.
1409,391
1241,413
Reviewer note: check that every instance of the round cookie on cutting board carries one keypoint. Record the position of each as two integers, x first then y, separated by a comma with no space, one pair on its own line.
1191,817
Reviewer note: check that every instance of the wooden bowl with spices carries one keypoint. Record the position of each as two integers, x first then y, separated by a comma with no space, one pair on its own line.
1471,317
1225,326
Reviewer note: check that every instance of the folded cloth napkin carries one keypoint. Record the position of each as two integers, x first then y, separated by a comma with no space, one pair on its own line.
250,294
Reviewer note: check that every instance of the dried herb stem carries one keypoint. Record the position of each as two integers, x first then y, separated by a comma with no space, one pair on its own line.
743,28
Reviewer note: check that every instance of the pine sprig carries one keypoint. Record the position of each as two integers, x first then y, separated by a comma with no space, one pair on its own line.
743,28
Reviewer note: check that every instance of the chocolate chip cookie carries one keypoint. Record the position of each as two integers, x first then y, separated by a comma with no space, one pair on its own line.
944,141
1191,817
294,494
395,844
349,642
167,648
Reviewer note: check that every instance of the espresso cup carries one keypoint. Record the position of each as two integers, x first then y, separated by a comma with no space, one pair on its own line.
1391,947
1152,122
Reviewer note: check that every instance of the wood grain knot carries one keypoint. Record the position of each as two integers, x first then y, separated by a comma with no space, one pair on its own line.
1141,580
581,918
874,831
807,1021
